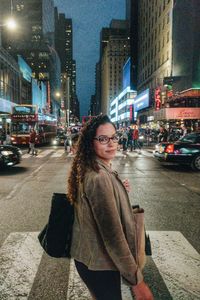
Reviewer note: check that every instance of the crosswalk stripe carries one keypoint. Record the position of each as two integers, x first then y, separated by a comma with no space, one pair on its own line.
76,284
44,153
58,153
20,257
176,260
178,263
134,154
26,155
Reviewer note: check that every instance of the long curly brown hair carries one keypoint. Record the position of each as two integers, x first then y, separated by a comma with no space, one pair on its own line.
85,157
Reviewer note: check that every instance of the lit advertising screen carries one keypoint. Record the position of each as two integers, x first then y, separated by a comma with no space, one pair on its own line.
24,68
142,101
127,74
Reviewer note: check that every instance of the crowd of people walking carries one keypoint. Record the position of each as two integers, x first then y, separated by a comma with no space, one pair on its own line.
134,138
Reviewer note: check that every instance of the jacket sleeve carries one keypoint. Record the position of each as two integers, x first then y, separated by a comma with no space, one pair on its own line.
100,194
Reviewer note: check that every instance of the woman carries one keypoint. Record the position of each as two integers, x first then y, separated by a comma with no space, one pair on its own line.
103,233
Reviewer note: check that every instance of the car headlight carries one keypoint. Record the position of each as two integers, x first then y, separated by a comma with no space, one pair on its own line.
6,152
19,151
54,142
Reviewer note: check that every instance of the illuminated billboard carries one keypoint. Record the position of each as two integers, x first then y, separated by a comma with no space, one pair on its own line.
25,69
142,101
127,74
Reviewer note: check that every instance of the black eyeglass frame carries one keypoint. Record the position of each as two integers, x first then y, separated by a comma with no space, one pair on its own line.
114,138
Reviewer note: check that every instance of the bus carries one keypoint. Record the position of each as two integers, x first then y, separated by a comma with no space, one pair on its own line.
24,117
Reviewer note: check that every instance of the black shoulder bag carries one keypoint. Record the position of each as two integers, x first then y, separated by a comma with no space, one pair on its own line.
56,236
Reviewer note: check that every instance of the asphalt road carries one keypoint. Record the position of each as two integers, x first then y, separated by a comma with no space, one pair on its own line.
170,196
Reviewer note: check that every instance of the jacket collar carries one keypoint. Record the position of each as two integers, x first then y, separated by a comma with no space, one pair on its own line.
103,165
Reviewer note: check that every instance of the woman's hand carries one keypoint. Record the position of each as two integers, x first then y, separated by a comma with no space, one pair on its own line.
141,291
126,184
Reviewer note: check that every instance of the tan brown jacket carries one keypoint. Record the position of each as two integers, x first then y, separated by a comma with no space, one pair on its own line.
104,229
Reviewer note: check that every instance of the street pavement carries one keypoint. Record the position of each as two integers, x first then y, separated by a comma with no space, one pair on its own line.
172,221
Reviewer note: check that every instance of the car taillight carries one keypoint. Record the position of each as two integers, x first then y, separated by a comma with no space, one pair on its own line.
169,148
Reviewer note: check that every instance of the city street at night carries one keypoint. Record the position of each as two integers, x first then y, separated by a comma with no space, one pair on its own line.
99,150
170,196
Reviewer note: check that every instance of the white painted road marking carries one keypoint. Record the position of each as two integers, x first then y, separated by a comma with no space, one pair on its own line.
77,290
61,152
58,153
27,155
44,153
20,257
134,154
178,263
176,260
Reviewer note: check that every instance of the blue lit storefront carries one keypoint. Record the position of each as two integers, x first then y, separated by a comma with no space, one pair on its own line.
121,109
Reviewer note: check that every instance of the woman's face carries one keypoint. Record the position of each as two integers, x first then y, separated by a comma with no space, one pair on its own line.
106,152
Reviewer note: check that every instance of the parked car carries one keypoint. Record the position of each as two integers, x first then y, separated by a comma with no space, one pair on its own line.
9,156
185,151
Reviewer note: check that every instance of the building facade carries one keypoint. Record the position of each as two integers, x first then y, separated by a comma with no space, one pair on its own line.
115,51
34,40
64,47
164,62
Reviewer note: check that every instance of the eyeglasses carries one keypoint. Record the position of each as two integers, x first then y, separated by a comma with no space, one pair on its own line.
104,139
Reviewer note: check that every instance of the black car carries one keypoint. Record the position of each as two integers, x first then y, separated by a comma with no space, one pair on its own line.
9,156
185,151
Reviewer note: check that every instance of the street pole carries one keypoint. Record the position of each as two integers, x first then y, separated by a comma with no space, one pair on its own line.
0,38
68,102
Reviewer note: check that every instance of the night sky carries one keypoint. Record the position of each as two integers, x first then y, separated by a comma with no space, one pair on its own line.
88,17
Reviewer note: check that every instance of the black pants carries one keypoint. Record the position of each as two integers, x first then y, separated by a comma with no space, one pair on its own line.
103,285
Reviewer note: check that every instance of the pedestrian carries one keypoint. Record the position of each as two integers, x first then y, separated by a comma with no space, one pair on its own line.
2,136
32,140
184,130
130,138
67,141
104,230
148,136
163,135
74,142
124,139
136,143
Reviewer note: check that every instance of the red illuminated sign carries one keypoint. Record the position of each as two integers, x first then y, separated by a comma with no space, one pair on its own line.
131,112
157,98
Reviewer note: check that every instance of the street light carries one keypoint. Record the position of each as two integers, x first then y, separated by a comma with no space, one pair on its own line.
57,94
10,24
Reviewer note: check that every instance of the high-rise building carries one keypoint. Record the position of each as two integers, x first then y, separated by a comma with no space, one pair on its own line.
165,28
34,40
167,54
97,108
115,49
132,18
64,47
